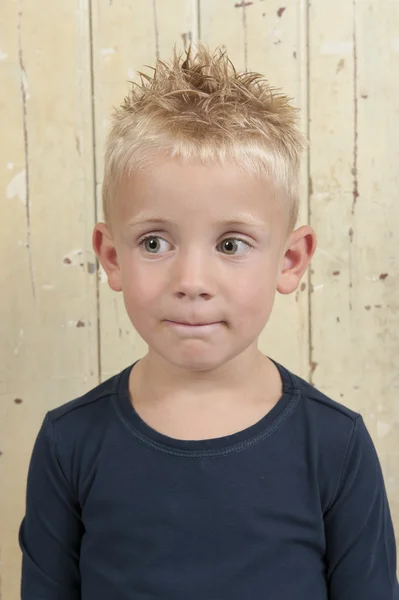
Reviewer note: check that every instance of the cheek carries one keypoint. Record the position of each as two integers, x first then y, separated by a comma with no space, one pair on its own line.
253,296
139,287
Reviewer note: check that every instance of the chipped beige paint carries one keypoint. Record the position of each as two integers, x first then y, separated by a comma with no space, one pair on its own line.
17,187
47,209
265,38
158,26
338,331
354,135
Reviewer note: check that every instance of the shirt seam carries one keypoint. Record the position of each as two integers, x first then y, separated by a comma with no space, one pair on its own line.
353,418
195,454
53,440
344,463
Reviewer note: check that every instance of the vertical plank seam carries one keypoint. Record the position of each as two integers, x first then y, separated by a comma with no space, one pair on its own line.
355,110
244,24
198,19
23,79
156,30
94,174
355,186
305,31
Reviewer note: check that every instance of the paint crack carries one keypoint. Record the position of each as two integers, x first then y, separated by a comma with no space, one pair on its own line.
23,85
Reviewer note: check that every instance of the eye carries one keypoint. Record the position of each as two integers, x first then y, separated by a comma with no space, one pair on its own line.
151,247
230,244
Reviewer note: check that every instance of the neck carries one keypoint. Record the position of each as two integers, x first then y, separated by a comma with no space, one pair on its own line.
154,377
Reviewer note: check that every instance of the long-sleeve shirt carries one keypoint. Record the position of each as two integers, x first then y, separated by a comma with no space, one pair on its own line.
293,507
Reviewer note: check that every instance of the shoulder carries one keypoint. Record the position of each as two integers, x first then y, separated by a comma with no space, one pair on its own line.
334,425
322,403
86,410
87,402
322,411
326,431
80,428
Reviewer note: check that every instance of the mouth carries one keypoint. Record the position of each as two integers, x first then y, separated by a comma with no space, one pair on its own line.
196,326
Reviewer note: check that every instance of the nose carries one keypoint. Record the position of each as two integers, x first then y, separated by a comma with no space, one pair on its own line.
194,274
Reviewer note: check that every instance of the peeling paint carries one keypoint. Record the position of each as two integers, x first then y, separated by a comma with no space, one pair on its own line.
107,51
383,276
78,144
3,55
74,258
17,187
383,428
337,259
337,47
102,276
79,323
340,65
281,11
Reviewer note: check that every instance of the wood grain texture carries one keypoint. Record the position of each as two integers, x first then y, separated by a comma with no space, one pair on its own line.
48,302
126,37
61,75
354,156
272,39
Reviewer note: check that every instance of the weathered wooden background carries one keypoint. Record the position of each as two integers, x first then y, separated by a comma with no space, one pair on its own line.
63,65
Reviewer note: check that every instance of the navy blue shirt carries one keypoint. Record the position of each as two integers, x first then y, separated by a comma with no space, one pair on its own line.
291,508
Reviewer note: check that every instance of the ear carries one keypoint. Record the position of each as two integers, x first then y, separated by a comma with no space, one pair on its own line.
106,252
300,248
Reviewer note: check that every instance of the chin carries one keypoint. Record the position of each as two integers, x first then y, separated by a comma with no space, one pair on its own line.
195,362
196,358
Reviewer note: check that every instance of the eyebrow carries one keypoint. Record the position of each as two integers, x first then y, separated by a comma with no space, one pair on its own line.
245,219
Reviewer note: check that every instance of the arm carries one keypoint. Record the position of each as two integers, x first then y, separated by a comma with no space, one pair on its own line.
361,550
51,531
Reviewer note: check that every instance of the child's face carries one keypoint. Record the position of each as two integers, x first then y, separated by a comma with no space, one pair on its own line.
195,267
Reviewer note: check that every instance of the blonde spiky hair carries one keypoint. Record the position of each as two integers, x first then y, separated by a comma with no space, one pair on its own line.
198,107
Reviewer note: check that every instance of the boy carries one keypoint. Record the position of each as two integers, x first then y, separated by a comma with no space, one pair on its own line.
206,470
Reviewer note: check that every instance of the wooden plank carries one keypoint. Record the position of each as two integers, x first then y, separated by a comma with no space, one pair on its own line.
271,39
354,156
48,306
126,36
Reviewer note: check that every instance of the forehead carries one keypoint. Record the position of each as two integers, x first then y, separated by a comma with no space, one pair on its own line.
174,190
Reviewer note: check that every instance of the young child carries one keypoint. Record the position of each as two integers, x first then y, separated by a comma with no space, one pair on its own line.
205,470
